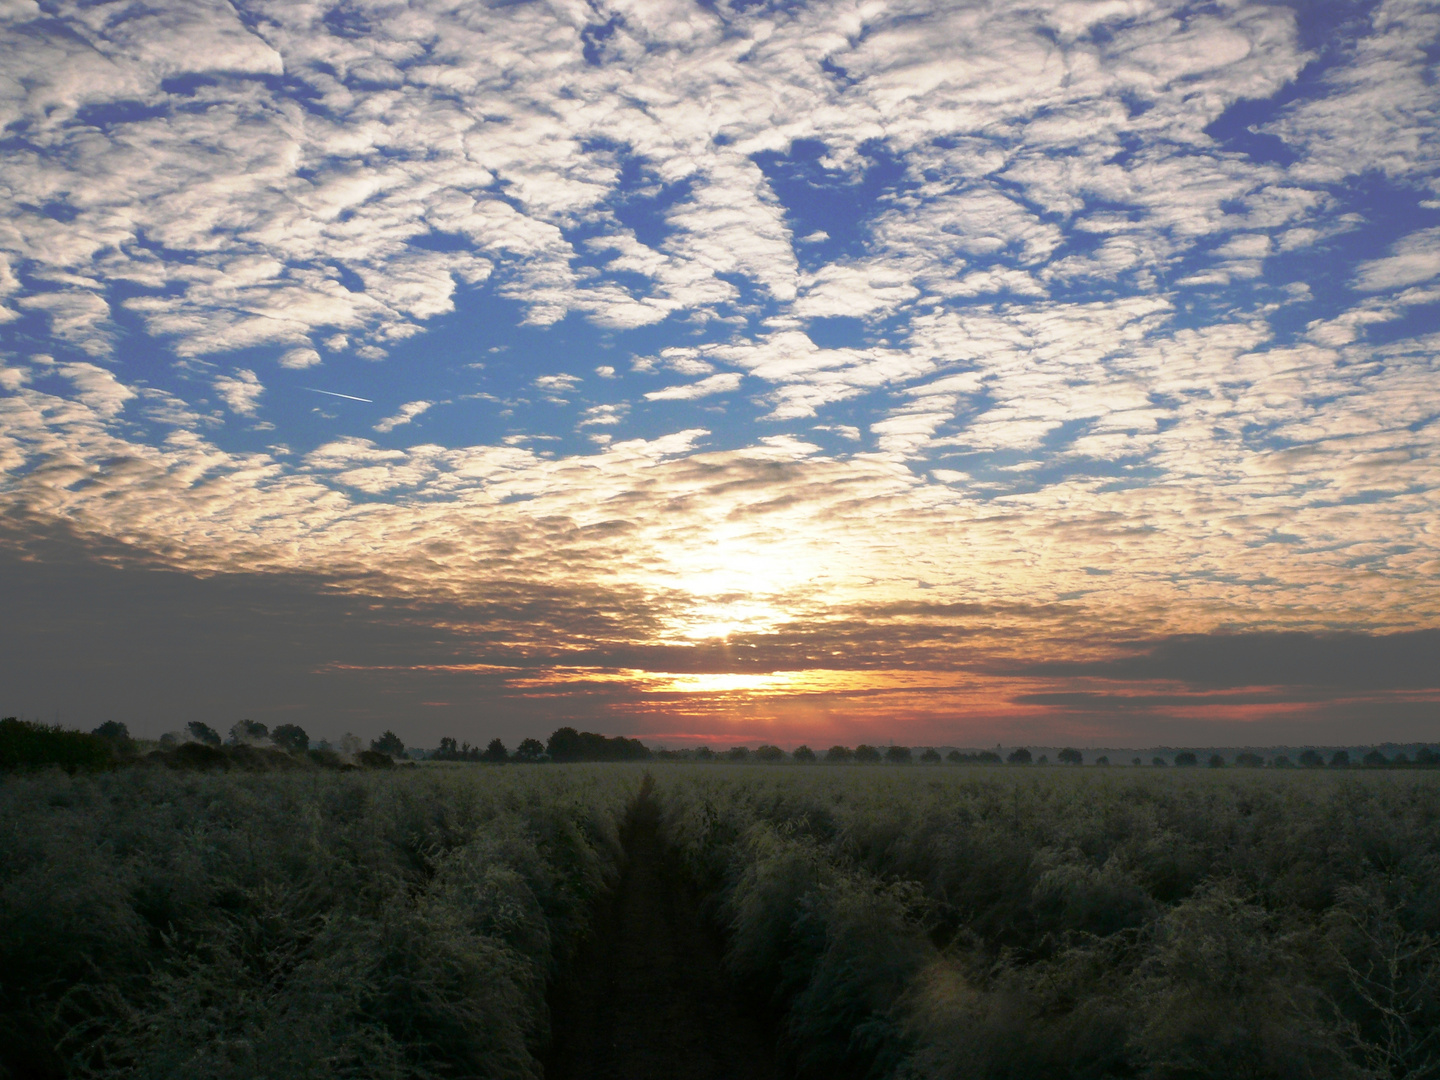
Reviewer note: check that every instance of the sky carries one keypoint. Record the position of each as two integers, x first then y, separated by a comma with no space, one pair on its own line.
893,370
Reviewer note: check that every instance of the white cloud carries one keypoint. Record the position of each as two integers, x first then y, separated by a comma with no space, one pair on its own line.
241,391
300,359
406,413
722,383
1414,259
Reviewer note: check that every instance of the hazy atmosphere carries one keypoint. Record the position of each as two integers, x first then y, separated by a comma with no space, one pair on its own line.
705,372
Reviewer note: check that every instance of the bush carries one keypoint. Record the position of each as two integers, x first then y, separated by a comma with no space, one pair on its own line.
228,926
24,744
1076,923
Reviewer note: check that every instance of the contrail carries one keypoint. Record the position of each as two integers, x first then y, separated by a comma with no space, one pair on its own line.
347,397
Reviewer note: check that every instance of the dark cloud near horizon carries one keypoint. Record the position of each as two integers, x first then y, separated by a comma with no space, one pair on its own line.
1343,660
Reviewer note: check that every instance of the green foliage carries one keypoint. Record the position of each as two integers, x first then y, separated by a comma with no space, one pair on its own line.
567,744
248,733
203,733
388,744
1016,924
291,738
166,924
27,745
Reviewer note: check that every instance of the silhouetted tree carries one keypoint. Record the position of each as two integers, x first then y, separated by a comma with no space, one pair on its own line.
1042,760
898,755
1311,759
1186,760
738,753
291,737
1426,756
931,756
803,754
1159,763
448,750
248,732
1400,759
1249,761
1135,761
1282,762
1375,757
495,753
113,730
1019,756
529,750
388,744
704,753
769,753
1102,760
867,754
1070,756
203,733
838,753
1216,761
567,744
1339,760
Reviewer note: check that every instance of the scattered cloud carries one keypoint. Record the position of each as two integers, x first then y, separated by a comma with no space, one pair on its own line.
241,391
407,413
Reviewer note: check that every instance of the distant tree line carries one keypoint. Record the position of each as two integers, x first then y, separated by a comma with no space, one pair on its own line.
252,745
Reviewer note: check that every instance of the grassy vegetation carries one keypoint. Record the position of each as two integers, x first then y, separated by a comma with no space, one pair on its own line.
1024,923
904,923
158,923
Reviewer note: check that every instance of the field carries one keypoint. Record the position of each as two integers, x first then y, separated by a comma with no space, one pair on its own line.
651,920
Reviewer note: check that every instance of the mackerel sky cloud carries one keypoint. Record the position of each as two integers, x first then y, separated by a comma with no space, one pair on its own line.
802,372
